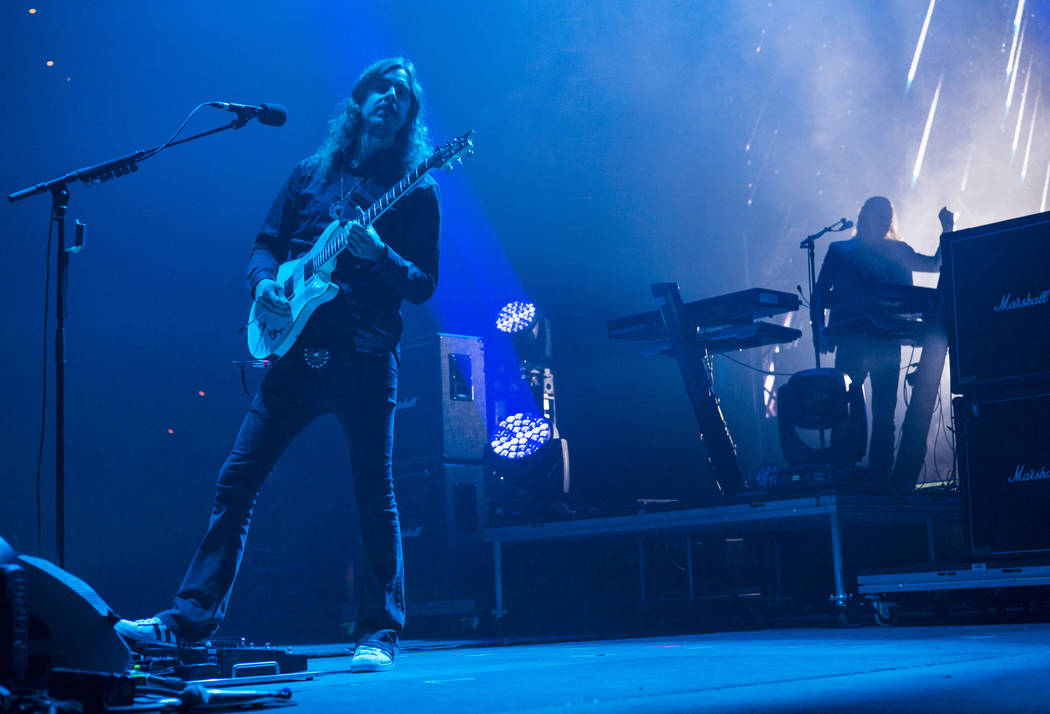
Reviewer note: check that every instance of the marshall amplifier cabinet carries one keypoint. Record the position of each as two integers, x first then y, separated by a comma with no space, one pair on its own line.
440,401
997,293
1004,464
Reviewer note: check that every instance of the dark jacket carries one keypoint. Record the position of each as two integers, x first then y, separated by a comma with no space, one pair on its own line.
365,316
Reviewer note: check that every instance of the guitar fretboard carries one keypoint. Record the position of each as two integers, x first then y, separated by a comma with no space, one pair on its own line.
338,244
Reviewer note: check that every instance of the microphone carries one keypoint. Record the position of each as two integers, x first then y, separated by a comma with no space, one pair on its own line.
269,114
845,225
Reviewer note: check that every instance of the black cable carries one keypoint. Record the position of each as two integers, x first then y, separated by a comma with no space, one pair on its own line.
43,397
905,393
937,437
753,369
244,380
174,136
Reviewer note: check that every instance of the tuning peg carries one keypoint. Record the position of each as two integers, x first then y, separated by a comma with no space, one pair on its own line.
459,160
449,167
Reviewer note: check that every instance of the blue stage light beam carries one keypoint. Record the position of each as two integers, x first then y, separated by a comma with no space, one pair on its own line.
1011,63
926,134
1020,111
1046,185
1031,134
1013,72
966,171
919,46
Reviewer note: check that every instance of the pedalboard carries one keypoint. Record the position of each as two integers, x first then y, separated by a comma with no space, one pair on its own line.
217,661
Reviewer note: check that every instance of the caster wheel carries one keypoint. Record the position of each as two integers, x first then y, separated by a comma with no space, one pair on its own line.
885,613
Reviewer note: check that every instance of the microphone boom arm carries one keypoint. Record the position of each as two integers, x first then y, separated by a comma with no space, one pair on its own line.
840,225
113,168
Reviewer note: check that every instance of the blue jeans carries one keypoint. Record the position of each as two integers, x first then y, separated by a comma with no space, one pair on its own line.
361,390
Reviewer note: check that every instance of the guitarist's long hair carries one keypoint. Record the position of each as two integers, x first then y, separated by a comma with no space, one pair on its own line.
412,144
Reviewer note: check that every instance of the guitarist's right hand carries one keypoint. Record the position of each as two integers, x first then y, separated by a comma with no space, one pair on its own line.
268,297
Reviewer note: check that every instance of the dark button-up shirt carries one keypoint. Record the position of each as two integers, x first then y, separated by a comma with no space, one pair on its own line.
853,267
365,315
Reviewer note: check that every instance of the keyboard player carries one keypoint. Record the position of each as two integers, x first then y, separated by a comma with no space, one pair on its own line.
848,277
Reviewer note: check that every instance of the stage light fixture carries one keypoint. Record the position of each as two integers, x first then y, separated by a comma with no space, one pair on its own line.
519,436
822,400
529,331
526,465
516,317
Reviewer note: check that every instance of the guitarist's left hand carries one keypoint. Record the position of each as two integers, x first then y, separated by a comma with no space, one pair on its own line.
365,243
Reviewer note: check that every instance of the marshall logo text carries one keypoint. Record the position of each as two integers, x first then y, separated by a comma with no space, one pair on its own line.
1009,302
1020,475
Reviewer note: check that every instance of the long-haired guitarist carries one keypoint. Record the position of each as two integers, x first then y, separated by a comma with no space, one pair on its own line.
344,360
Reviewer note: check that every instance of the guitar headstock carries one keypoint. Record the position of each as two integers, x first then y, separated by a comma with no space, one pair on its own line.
452,152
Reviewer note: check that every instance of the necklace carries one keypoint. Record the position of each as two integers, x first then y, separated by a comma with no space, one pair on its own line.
337,211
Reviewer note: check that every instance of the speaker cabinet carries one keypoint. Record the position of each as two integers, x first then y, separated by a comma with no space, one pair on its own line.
1004,460
441,401
443,510
997,283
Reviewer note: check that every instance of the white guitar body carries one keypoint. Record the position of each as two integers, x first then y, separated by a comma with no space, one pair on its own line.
271,335
306,282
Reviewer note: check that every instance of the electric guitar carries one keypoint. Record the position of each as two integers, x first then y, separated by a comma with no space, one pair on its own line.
306,282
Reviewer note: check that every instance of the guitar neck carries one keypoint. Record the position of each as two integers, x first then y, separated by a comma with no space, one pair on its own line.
372,214
395,193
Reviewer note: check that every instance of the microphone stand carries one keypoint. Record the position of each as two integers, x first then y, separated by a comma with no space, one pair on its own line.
59,189
814,303
808,244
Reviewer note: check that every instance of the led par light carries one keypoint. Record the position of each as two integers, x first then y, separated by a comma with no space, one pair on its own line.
516,317
519,436
525,460
528,329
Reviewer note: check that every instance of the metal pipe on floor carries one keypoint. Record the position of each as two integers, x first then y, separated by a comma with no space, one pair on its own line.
689,567
497,573
642,603
836,558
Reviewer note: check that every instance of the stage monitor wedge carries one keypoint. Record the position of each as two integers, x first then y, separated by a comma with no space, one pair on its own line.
997,291
69,624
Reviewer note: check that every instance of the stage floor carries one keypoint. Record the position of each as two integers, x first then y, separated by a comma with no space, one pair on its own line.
906,669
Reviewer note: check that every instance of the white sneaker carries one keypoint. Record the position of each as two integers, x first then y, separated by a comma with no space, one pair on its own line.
370,659
143,634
